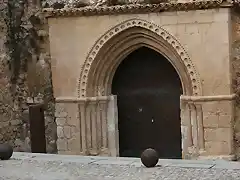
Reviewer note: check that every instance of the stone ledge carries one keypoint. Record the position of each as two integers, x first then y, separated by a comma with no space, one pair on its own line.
137,8
82,99
208,98
202,164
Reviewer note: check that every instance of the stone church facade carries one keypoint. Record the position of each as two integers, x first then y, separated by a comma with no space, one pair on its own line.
88,44
186,52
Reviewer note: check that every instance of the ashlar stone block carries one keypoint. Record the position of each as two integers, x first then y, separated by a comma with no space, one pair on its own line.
60,121
62,144
60,133
218,134
74,144
67,131
218,148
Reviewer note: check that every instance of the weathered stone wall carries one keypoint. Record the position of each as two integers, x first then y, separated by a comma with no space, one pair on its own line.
236,74
68,128
217,124
31,83
87,126
9,124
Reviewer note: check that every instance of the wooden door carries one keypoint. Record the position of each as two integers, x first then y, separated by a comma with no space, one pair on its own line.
37,128
148,91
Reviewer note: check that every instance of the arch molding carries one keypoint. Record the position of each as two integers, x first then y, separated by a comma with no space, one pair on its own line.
93,80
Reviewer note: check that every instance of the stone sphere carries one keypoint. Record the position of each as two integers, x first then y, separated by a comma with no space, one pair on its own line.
6,151
149,157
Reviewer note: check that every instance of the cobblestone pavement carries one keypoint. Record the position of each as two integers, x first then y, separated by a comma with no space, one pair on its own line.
28,166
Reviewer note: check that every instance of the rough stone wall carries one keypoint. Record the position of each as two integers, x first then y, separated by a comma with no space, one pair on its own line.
9,124
33,80
236,74
68,128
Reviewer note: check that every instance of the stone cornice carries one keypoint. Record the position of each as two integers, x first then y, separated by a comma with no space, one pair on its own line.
137,8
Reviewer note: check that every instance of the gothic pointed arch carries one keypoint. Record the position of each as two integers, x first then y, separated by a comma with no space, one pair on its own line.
117,43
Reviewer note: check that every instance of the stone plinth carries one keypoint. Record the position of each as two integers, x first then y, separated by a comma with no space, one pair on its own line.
207,126
87,126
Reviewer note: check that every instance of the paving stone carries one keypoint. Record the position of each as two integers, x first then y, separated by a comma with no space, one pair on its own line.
65,167
112,162
180,161
161,163
184,165
227,165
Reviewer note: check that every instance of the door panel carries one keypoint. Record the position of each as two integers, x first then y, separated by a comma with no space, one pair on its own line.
148,90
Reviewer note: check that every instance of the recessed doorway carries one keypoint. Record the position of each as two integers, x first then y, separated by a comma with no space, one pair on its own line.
148,90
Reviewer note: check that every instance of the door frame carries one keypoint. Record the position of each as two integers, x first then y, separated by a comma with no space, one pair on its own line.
117,43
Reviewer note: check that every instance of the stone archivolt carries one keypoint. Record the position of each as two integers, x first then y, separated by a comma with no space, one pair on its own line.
132,8
99,68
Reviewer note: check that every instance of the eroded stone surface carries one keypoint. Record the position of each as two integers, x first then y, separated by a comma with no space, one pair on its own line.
52,167
14,120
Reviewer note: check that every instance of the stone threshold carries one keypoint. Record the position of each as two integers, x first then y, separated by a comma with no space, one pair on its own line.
122,161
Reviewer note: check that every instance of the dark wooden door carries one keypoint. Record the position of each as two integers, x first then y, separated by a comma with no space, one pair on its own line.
37,128
148,90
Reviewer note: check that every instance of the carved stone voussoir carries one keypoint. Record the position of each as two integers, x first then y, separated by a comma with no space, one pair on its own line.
107,7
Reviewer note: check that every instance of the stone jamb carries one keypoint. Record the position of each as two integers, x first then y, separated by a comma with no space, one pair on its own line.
88,140
193,123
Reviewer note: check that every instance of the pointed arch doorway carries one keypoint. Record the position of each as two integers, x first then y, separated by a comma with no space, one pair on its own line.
148,90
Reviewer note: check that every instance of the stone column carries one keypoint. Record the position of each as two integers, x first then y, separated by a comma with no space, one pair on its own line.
112,125
82,115
194,124
186,129
93,126
200,126
104,132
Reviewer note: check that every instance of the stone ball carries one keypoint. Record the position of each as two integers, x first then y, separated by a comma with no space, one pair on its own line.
149,157
6,151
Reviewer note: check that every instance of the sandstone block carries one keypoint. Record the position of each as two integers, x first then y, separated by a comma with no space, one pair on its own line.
75,132
225,121
60,133
60,121
74,144
221,16
62,144
60,114
67,131
218,108
185,19
218,148
60,110
73,115
214,121
169,20
210,121
218,134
